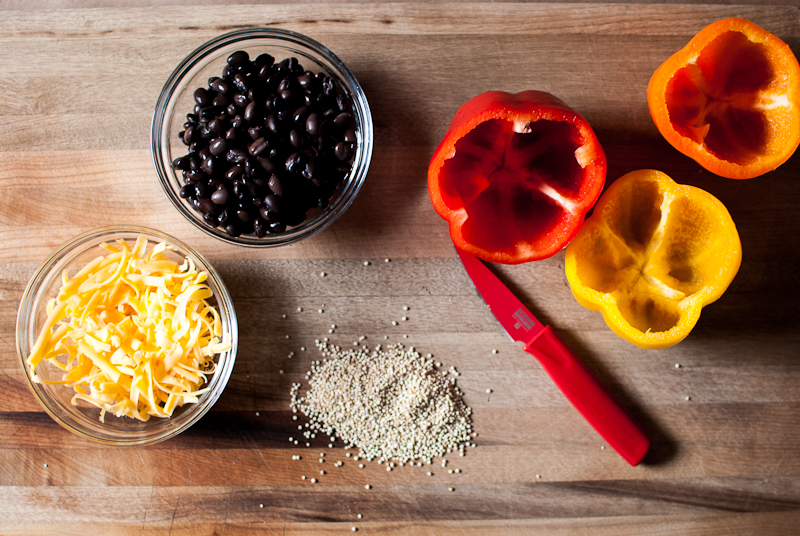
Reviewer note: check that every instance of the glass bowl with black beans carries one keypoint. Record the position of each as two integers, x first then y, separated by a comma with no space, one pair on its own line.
262,137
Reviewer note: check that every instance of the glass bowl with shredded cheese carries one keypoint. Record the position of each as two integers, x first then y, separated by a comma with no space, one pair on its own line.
127,336
209,60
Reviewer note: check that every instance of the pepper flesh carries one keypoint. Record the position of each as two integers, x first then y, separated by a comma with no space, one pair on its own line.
730,99
651,256
515,175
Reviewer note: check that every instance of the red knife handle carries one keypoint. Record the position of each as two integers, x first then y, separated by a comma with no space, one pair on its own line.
589,396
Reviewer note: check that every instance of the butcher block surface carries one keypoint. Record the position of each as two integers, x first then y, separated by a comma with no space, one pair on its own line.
77,93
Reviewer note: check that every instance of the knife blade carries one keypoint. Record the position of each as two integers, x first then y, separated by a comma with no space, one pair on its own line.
580,386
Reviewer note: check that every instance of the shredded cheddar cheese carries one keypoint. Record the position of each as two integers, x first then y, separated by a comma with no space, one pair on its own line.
133,332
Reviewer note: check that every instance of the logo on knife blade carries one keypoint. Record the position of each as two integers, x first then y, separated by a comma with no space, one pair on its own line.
523,320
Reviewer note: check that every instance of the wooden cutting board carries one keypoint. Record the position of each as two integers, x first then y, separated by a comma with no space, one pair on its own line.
76,99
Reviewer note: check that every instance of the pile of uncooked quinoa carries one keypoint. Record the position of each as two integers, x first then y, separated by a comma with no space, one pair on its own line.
391,403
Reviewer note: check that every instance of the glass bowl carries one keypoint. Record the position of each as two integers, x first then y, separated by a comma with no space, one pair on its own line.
84,419
177,100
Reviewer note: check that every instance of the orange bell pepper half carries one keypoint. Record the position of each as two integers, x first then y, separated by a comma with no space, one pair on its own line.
515,176
730,99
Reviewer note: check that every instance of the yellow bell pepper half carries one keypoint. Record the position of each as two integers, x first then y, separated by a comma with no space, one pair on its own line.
651,256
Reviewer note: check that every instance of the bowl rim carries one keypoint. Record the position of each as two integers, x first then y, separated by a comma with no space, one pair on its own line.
164,111
94,236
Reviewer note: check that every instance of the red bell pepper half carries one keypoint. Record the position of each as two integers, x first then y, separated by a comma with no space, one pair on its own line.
515,176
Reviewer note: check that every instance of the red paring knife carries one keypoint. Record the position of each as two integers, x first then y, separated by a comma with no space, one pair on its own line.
579,385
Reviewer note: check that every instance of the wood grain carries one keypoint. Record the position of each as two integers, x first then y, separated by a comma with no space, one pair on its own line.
76,102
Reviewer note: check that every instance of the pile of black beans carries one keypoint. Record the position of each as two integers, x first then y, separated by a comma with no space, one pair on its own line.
268,142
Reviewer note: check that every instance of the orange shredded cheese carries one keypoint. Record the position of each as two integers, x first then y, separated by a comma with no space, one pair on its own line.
133,332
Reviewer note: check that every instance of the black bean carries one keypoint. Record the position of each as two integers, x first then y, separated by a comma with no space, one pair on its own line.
264,59
305,80
293,161
252,169
182,162
250,111
257,147
199,190
328,85
272,123
343,120
260,227
341,150
277,227
233,173
210,112
220,197
273,203
244,216
189,135
232,230
300,114
266,164
237,155
223,216
206,206
202,97
342,103
218,146
205,132
240,100
252,187
275,185
312,124
186,191
221,101
349,136
239,190
308,171
208,166
211,219
219,85
218,125
295,139
194,175
238,57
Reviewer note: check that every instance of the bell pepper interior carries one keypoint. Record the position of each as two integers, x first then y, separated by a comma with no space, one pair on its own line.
689,256
713,100
647,264
518,181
